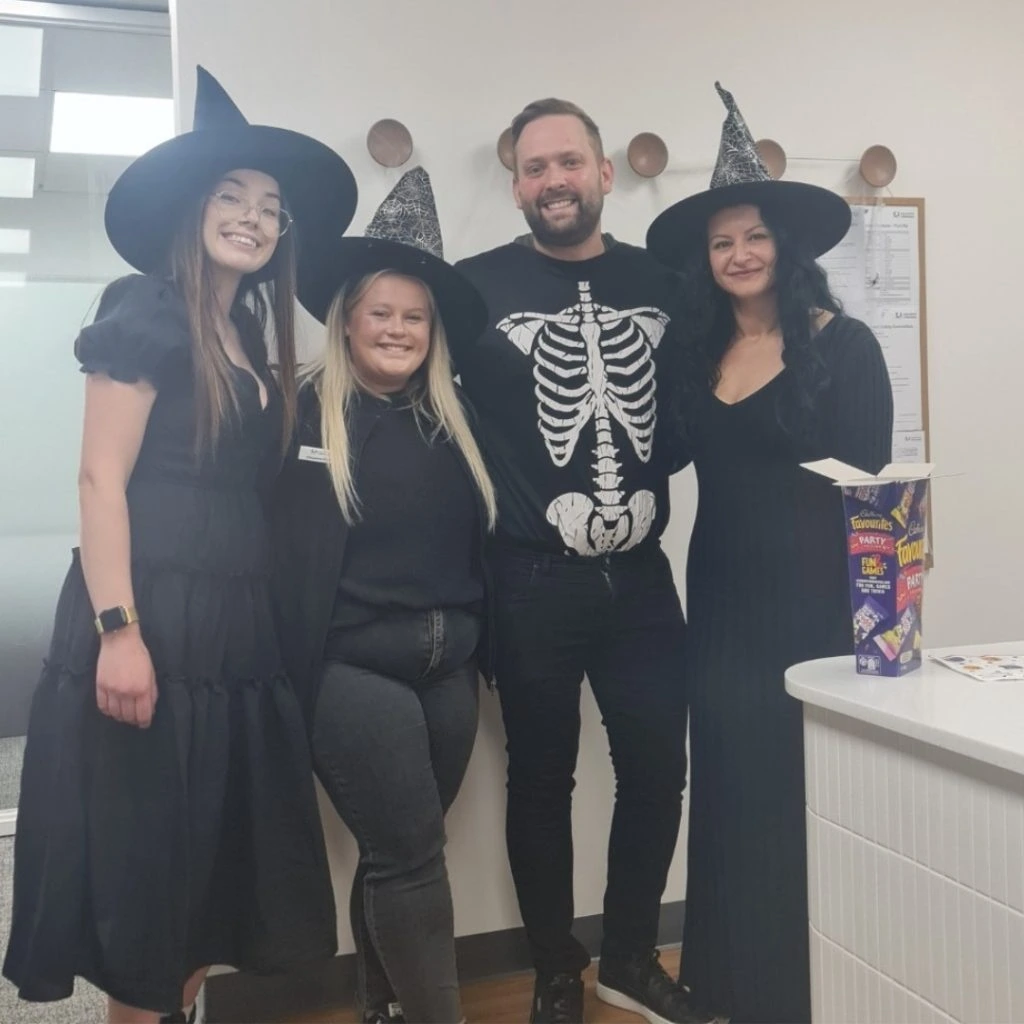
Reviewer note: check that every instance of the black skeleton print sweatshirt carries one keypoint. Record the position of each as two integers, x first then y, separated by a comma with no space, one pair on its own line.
566,387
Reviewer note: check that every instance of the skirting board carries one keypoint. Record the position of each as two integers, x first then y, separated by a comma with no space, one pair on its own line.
8,821
241,998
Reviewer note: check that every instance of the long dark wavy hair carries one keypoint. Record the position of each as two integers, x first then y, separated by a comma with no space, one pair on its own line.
708,325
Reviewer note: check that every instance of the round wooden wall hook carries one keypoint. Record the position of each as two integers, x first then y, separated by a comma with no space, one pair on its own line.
773,156
389,142
647,154
878,166
506,150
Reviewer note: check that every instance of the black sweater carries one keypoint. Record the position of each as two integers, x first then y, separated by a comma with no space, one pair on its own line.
565,380
408,549
309,539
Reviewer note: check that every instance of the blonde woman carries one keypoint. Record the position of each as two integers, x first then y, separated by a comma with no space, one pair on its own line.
379,521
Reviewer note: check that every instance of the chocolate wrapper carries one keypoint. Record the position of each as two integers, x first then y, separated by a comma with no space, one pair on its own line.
869,493
866,618
886,525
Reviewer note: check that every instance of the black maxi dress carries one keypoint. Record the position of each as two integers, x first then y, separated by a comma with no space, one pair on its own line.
141,855
767,587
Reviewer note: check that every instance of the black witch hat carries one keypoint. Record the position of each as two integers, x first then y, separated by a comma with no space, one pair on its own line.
816,217
404,236
147,201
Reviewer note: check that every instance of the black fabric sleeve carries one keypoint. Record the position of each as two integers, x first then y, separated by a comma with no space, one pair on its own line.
861,394
458,347
140,327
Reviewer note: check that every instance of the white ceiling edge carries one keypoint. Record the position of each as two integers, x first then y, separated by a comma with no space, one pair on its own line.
31,12
137,5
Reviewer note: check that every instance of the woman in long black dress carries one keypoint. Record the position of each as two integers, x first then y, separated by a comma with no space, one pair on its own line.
773,375
167,818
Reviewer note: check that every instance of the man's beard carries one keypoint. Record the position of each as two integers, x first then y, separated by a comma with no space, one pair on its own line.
570,232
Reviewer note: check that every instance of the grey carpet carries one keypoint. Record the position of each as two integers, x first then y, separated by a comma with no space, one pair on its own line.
12,749
87,1006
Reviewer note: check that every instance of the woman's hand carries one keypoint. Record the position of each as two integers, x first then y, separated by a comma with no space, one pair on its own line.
125,680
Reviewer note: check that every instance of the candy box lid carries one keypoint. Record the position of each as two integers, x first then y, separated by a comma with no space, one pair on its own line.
849,476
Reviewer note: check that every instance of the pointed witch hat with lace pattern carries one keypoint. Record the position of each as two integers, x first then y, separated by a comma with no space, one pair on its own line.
404,236
817,218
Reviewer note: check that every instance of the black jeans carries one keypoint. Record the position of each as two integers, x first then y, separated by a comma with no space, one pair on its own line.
393,732
618,620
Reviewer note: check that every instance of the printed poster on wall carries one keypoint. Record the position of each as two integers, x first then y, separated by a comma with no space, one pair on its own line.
876,273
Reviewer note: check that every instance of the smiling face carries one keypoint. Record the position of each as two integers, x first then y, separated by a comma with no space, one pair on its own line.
242,222
560,181
388,332
741,250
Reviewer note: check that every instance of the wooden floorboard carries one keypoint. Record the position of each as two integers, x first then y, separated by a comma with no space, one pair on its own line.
506,1000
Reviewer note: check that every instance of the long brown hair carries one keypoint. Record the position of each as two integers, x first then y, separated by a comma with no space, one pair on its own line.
189,268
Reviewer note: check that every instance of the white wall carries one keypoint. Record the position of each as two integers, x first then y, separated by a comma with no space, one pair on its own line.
65,216
41,403
937,81
41,390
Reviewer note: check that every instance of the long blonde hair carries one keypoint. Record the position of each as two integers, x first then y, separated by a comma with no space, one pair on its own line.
189,268
431,392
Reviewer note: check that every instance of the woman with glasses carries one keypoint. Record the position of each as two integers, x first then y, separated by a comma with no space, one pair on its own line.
167,818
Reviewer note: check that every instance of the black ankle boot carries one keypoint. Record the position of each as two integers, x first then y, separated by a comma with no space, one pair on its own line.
390,1014
557,999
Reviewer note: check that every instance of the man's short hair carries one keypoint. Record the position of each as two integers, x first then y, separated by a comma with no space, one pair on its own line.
551,106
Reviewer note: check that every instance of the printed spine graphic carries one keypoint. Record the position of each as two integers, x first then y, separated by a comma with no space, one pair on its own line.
592,362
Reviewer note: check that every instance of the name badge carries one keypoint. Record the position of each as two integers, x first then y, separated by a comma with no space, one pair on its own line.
307,453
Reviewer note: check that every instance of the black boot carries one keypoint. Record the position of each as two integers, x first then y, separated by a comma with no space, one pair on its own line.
390,1014
557,999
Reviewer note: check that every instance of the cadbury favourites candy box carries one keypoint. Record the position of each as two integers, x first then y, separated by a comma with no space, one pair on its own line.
885,537
886,526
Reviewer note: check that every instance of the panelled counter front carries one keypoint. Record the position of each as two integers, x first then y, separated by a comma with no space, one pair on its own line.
915,839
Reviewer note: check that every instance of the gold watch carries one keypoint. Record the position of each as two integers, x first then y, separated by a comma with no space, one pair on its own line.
113,619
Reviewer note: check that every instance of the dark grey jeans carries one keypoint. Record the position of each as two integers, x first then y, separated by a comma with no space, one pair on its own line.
395,723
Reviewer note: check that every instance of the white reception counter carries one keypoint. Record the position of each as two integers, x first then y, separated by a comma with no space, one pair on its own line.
915,837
